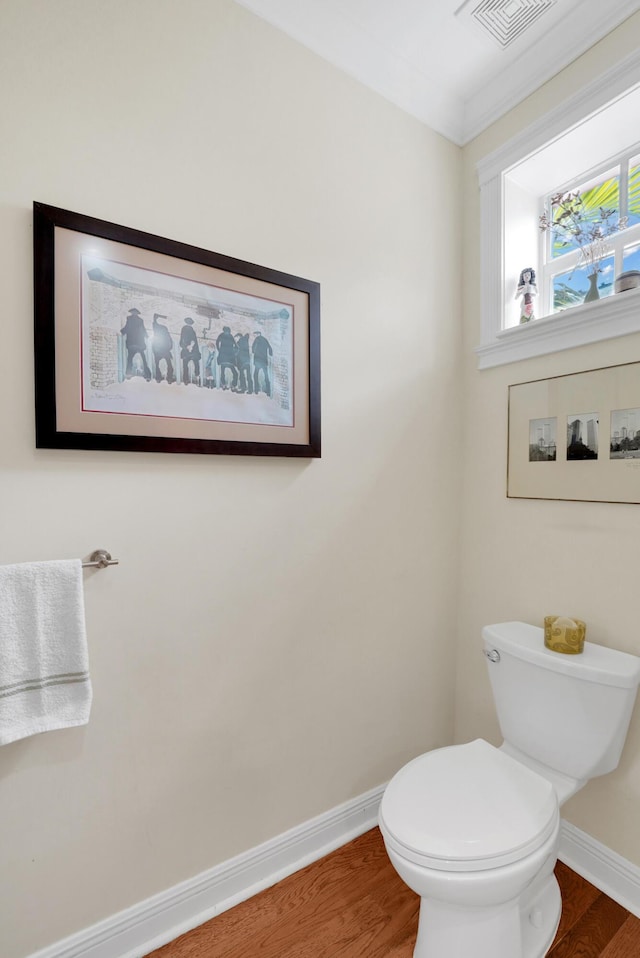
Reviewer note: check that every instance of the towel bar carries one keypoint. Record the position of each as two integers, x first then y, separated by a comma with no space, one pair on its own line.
99,559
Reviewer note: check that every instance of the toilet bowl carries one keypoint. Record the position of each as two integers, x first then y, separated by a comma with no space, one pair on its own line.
475,834
473,829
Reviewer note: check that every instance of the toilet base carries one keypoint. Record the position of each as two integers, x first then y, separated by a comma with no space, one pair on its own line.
523,928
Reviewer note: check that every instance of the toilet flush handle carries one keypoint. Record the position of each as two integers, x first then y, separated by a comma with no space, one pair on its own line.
493,655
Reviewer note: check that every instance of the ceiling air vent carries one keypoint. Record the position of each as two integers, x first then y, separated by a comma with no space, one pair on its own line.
504,21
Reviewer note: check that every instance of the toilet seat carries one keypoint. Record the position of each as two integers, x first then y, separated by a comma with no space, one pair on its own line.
467,808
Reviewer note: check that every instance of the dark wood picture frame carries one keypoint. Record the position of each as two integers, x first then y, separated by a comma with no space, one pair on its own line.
99,385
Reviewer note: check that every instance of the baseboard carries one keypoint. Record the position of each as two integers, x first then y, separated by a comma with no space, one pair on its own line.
152,923
158,920
608,871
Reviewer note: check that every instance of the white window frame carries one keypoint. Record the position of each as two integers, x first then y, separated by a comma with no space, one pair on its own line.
592,322
617,242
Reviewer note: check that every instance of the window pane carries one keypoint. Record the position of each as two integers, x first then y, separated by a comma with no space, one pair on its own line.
631,258
570,289
603,193
634,192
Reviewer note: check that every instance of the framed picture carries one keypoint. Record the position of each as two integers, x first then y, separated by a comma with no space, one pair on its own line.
147,344
576,436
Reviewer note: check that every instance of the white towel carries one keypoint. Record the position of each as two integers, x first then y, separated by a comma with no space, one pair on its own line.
44,664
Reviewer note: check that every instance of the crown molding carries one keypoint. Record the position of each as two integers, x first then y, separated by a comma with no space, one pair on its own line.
336,38
328,31
617,81
538,65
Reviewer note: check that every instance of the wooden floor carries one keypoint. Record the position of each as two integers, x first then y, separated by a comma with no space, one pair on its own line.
352,904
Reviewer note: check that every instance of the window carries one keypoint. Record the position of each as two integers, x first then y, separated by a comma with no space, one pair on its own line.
588,143
565,280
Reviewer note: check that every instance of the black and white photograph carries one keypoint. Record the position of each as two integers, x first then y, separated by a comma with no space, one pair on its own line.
625,434
582,436
543,439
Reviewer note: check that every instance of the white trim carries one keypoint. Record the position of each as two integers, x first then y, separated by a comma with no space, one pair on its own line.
608,871
615,82
491,259
339,35
607,318
538,65
335,35
152,923
593,322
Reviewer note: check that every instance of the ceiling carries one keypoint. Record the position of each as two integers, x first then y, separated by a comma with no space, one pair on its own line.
456,66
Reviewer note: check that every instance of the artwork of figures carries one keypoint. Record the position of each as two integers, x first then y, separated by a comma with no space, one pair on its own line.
162,345
146,344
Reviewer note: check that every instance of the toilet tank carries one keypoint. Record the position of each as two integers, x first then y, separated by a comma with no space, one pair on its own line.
568,712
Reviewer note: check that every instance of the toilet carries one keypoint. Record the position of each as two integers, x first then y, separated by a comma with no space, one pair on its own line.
474,829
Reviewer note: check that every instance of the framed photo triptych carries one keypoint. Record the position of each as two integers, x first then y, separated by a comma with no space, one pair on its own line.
576,436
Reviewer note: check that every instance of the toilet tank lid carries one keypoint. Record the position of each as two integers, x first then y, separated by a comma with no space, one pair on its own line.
596,664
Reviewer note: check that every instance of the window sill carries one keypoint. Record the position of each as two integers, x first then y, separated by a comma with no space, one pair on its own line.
608,318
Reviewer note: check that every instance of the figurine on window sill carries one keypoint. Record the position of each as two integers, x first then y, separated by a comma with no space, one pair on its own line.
527,289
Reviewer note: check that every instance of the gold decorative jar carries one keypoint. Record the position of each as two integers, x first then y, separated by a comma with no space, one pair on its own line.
562,634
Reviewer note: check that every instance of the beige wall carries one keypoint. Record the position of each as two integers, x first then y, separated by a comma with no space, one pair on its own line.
523,559
279,635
